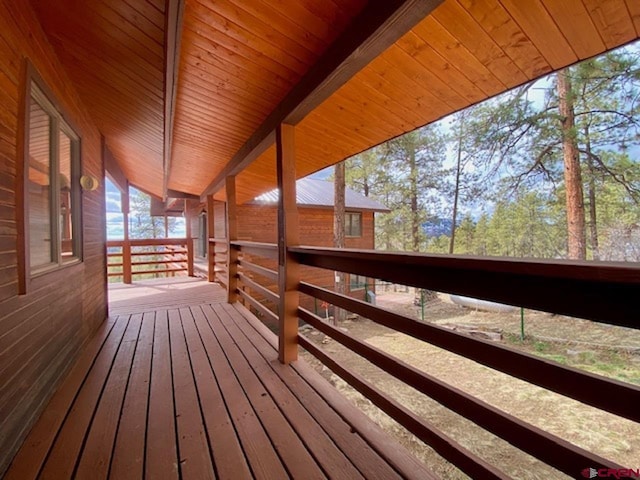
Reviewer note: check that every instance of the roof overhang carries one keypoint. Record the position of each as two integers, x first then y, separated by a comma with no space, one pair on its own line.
189,92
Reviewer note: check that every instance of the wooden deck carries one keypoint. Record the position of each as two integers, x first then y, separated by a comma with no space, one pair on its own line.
179,387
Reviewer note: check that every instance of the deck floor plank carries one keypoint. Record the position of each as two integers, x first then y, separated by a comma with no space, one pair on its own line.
181,387
193,447
161,459
343,433
333,461
290,447
98,447
261,455
31,457
65,452
128,453
229,458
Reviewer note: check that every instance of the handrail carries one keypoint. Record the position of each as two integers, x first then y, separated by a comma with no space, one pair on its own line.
174,259
459,456
622,399
147,242
545,446
604,292
267,250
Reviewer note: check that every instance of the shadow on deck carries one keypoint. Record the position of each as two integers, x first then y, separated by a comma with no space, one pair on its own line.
178,384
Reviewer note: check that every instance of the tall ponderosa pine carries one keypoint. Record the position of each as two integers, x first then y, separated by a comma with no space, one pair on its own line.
338,231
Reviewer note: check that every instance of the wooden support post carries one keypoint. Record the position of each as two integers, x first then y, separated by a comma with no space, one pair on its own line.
288,235
126,246
187,221
232,234
211,248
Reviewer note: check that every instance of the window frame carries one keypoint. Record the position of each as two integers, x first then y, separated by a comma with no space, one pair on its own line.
36,90
348,224
359,286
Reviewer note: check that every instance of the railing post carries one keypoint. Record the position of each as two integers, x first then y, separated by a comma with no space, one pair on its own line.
187,221
126,262
126,246
232,234
288,235
211,247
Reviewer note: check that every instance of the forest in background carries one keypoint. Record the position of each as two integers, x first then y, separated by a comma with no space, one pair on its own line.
548,170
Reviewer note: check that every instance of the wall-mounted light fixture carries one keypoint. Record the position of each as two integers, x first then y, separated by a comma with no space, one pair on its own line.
89,183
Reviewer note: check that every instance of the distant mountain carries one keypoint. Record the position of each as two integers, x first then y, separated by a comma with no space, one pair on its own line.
436,227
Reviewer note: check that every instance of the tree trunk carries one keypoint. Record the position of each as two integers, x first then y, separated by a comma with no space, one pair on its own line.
456,191
413,192
338,233
572,172
593,225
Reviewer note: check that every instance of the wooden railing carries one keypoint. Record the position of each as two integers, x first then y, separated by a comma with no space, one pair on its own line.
602,292
149,257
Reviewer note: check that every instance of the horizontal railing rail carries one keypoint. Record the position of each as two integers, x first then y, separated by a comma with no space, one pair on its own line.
583,290
605,292
257,283
148,257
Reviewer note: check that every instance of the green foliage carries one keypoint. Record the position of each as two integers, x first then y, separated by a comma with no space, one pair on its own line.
141,223
508,156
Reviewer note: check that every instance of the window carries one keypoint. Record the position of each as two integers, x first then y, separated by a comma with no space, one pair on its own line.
357,282
52,186
353,224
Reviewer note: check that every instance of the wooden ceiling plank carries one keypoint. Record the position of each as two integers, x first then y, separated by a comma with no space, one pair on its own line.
228,123
501,27
104,69
375,29
574,21
237,55
315,24
338,13
378,90
131,16
413,53
200,56
537,24
451,24
118,23
411,69
612,20
112,55
147,10
224,103
217,82
239,39
634,10
279,21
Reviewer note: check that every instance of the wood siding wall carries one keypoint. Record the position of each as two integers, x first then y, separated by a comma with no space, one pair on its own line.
41,332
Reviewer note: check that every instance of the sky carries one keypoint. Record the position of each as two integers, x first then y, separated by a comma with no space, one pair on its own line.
115,226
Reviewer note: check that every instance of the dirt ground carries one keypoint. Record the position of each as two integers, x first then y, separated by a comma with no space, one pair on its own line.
609,351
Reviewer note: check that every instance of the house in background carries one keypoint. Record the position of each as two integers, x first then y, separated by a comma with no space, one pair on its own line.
257,222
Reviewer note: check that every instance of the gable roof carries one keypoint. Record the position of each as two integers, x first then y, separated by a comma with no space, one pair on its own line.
320,193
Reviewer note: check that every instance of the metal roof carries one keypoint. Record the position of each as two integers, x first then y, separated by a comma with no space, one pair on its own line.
320,193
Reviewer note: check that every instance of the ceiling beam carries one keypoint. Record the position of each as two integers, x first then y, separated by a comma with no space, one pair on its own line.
177,194
112,170
376,28
172,35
